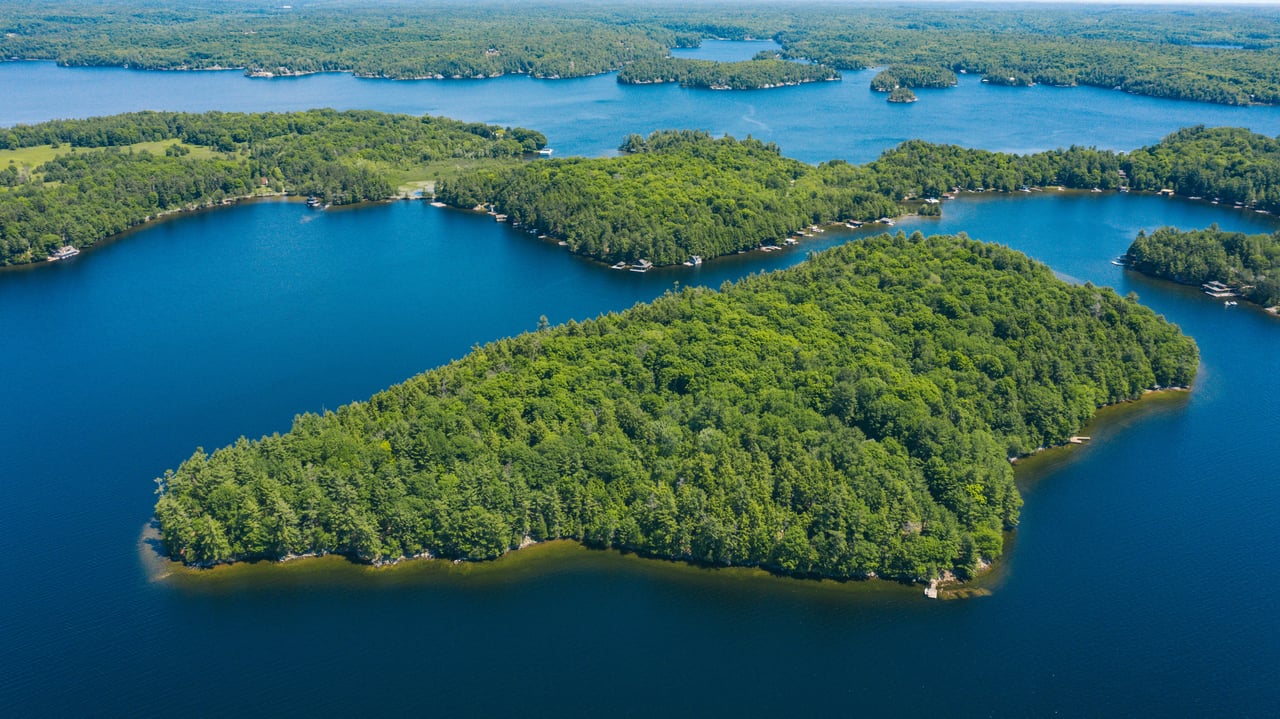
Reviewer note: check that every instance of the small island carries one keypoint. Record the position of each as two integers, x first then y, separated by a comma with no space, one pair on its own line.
902,95
851,417
1226,265
912,76
756,74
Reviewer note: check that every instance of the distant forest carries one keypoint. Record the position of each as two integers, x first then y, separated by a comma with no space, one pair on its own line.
1219,55
754,74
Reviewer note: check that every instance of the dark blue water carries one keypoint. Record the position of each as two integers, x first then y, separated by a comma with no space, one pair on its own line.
1139,582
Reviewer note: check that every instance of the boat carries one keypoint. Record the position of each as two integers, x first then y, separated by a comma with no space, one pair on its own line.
693,261
1120,261
545,152
63,253
1230,303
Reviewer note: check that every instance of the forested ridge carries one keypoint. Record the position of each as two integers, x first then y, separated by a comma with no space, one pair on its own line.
746,75
682,193
98,186
1249,263
849,417
1221,55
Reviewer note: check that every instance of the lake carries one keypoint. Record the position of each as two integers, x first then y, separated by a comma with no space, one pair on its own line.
1138,583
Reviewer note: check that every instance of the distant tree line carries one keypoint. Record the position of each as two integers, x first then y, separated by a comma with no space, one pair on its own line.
746,75
849,417
1220,55
1250,263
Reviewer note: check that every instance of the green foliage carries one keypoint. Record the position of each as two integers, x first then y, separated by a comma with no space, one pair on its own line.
1222,55
901,95
93,189
851,415
747,75
908,76
1139,50
679,193
1228,163
1249,262
393,41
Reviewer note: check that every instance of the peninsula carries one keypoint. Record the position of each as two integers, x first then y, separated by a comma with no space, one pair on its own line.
679,194
1226,264
76,182
850,417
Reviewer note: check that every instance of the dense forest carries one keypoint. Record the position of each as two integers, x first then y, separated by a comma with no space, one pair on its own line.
98,185
1226,163
1249,263
1221,55
911,76
678,194
747,75
901,95
849,417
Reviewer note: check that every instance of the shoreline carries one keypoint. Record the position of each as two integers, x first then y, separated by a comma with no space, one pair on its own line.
324,567
172,213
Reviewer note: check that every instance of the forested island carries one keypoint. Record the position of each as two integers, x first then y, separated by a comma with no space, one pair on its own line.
1247,264
1220,55
911,76
678,194
77,182
901,95
850,417
758,74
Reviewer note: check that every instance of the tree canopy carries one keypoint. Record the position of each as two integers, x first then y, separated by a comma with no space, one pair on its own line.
755,74
847,417
97,185
1250,263
682,193
1222,55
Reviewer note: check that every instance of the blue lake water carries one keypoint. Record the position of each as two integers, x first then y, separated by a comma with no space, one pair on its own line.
1139,582
591,116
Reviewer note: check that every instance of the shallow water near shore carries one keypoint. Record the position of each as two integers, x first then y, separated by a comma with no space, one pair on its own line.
1137,584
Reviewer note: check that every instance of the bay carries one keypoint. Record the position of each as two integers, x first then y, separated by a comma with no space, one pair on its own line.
1137,584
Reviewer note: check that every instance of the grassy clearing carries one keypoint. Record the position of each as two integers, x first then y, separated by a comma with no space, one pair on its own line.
37,155
425,175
